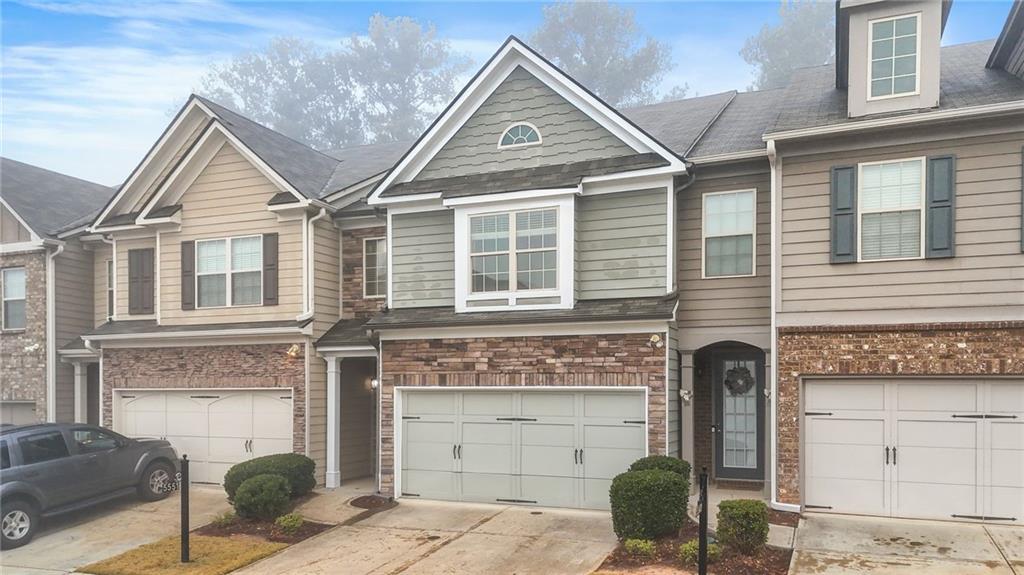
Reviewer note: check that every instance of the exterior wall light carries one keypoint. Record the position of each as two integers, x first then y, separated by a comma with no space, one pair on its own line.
655,341
374,383
293,351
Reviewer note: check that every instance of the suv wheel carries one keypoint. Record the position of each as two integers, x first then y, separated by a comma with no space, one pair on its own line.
155,481
19,520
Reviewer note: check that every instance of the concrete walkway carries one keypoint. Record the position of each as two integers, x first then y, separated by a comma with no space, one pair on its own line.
848,545
421,537
780,536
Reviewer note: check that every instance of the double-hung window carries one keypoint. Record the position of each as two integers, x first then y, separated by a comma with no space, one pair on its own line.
894,56
890,202
375,267
229,272
729,224
110,289
12,283
514,251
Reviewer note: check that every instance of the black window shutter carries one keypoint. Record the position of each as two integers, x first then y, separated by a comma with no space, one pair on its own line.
140,281
134,277
188,275
269,269
940,220
147,282
843,220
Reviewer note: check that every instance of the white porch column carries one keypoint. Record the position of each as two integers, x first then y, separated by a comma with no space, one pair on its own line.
333,422
81,392
686,407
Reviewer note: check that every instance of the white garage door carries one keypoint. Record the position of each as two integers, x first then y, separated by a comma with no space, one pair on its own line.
942,449
555,448
217,428
18,412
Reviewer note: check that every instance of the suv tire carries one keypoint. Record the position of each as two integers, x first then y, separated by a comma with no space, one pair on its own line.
150,484
18,521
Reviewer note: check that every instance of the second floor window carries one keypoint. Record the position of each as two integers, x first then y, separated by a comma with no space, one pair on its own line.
229,272
375,267
893,56
12,284
890,204
110,289
514,251
729,222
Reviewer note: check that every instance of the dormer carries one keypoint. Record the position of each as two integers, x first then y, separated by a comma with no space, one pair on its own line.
887,54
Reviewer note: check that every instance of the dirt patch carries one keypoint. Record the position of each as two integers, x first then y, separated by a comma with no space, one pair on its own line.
777,517
769,561
209,556
371,502
265,530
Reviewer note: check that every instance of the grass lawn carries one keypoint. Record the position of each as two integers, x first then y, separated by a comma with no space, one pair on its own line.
210,556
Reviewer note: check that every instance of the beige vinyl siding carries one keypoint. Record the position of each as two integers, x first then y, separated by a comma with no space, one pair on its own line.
724,302
101,253
423,259
621,244
73,283
11,230
326,262
672,347
358,414
316,417
568,135
228,199
197,127
121,275
985,279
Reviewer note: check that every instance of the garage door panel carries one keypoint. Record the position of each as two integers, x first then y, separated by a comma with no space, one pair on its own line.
614,405
18,413
548,449
548,490
1007,502
955,434
429,484
489,448
936,500
488,486
429,403
261,446
938,465
609,450
847,495
595,493
937,397
845,396
188,423
1007,435
487,403
548,404
860,462
842,431
1006,398
429,445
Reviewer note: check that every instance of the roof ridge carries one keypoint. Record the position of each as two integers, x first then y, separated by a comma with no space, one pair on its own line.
710,123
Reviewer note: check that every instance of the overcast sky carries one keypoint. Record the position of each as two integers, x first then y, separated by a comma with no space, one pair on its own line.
88,86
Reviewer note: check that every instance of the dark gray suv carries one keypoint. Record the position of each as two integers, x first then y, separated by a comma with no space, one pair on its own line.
53,468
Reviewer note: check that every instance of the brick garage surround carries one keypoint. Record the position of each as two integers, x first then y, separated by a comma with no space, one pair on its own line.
23,351
965,349
353,304
579,360
237,366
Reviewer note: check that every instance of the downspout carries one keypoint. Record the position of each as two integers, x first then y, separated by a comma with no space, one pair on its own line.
308,238
51,333
113,264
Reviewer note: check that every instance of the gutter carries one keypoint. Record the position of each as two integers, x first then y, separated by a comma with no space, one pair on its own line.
308,246
51,330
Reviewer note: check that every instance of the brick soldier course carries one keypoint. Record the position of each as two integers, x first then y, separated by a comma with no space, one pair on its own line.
967,349
353,304
626,360
23,351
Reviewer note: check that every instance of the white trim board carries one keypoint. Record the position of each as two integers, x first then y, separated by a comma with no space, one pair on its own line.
526,330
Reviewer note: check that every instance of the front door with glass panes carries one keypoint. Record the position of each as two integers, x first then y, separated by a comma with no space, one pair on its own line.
739,410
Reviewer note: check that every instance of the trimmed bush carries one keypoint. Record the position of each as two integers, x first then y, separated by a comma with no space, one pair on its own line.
648,504
295,468
689,552
224,519
290,523
262,497
640,548
666,462
743,525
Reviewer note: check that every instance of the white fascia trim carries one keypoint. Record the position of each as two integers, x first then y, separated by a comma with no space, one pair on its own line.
510,196
22,247
347,351
71,355
373,200
32,234
923,117
526,330
627,182
731,156
199,333
360,222
511,55
361,184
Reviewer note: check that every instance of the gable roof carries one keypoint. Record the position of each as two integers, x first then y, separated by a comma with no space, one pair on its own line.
49,202
680,123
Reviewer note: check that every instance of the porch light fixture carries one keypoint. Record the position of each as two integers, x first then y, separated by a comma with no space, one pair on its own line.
293,351
655,341
374,383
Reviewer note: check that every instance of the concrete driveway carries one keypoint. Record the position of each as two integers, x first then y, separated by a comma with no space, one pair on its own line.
419,537
847,545
70,541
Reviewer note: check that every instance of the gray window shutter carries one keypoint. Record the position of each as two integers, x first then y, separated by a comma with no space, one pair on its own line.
843,220
188,275
140,281
269,269
940,220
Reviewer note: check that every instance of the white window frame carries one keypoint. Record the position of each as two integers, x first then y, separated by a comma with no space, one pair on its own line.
917,55
227,272
110,300
704,235
540,137
4,299
516,299
383,295
860,211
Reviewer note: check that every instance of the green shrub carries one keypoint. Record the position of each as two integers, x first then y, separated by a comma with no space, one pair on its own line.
295,468
290,523
640,548
666,462
648,504
224,519
689,552
743,524
262,497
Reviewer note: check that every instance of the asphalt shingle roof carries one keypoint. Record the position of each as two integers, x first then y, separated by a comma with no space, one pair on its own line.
740,126
50,202
679,124
346,332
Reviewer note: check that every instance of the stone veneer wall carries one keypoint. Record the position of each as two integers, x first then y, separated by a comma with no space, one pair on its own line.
237,366
583,360
968,349
23,351
353,304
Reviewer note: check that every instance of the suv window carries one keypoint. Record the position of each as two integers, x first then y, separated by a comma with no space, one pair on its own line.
5,455
93,440
42,447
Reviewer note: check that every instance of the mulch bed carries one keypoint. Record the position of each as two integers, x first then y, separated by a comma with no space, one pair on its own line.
264,529
769,561
370,502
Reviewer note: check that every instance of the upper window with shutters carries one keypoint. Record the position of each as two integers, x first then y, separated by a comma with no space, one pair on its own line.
229,272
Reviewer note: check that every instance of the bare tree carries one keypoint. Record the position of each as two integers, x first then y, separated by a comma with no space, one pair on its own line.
804,36
601,46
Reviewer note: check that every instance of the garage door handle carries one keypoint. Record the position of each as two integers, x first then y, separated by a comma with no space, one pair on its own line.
575,455
894,456
581,457
887,456
460,451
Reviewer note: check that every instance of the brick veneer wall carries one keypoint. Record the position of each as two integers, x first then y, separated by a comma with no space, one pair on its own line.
23,352
584,360
968,349
238,366
353,304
